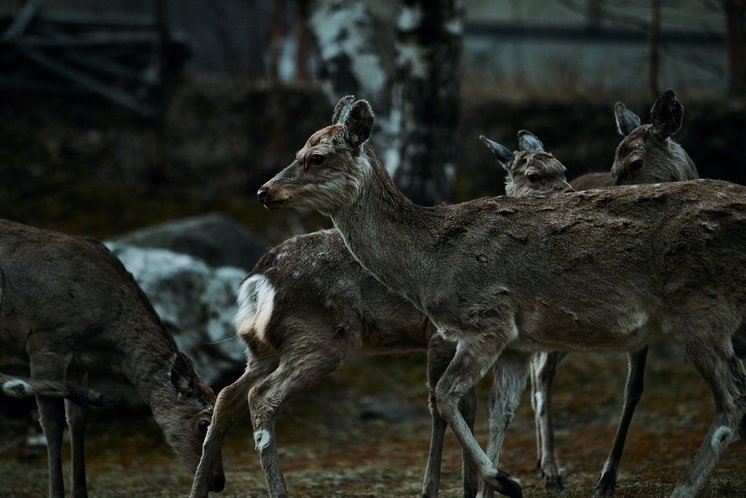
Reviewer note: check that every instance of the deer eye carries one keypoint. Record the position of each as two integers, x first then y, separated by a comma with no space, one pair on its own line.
533,178
635,165
316,159
203,425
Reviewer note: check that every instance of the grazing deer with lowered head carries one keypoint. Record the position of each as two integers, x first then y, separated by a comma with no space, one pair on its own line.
605,270
645,155
67,306
308,304
23,387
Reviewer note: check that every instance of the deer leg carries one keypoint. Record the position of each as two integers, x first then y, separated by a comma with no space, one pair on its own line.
509,380
268,398
77,417
52,418
474,355
230,405
544,367
439,354
726,376
606,485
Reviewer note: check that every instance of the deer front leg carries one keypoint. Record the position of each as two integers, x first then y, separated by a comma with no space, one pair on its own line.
475,353
229,407
77,416
544,369
509,380
439,355
726,376
606,485
52,418
266,401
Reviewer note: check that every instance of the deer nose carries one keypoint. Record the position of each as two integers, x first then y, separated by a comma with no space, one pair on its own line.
262,195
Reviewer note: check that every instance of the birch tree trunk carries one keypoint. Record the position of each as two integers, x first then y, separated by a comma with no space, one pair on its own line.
415,97
425,99
355,52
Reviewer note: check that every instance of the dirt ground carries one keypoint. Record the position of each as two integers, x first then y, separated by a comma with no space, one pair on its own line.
330,445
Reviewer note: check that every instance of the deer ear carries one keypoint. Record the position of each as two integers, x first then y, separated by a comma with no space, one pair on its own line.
529,142
502,154
626,120
358,123
182,374
667,115
342,109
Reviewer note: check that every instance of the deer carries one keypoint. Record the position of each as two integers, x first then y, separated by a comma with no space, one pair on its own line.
24,387
646,154
602,270
344,309
68,306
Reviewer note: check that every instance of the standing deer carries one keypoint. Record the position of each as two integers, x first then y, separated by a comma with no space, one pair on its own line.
308,304
604,270
67,306
646,155
23,387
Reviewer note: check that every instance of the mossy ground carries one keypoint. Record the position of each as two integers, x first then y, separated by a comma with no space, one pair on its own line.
328,449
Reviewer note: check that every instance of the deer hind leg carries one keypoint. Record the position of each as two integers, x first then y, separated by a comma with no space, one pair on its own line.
229,407
266,401
52,417
726,376
439,354
77,416
606,485
543,370
475,354
509,380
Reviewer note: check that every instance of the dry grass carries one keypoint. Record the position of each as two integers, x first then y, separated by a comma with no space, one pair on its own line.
328,449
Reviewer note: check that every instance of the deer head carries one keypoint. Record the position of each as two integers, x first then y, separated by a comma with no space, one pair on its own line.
327,172
530,170
185,423
647,154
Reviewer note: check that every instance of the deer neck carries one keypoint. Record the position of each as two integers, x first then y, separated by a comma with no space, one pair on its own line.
147,360
385,232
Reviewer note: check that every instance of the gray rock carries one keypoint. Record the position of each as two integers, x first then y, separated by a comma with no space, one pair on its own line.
196,302
216,239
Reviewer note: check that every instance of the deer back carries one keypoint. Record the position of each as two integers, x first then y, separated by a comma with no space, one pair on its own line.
310,293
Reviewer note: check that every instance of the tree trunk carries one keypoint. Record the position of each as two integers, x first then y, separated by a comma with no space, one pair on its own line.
425,99
355,52
735,41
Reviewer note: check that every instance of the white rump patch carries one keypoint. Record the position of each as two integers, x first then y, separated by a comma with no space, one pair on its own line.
261,440
633,321
255,302
17,388
721,438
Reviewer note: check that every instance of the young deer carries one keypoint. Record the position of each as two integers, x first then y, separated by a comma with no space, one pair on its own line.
645,155
605,270
23,387
67,305
308,304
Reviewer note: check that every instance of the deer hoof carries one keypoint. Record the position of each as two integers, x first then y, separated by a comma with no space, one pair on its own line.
554,482
508,487
606,483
